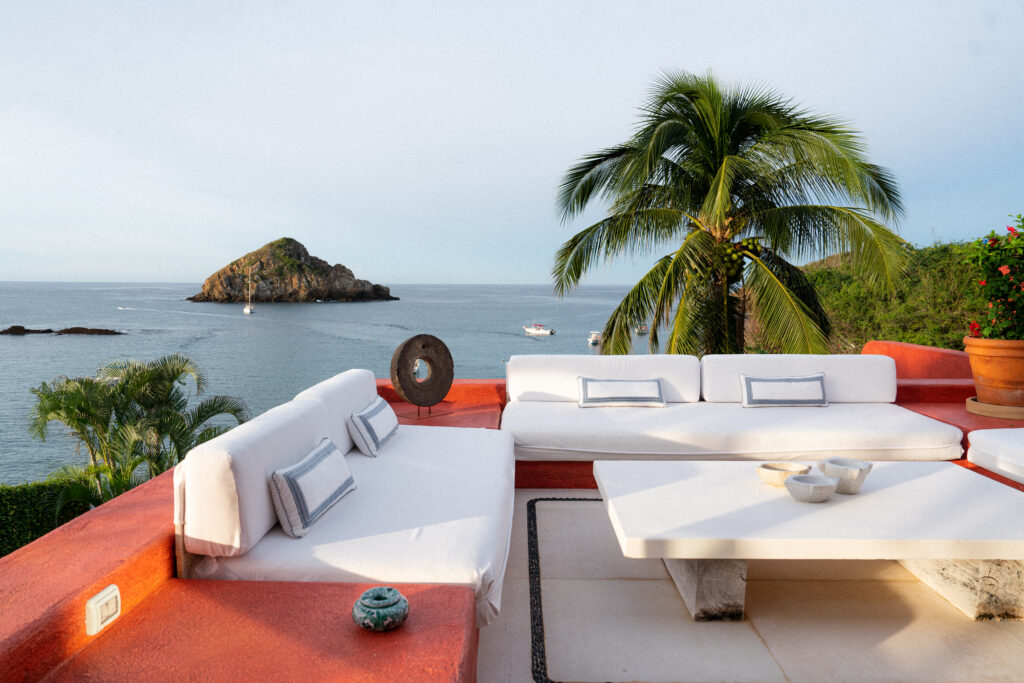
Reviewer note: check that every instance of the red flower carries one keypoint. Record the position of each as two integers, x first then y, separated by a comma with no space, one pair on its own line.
1012,230
981,282
975,329
1005,270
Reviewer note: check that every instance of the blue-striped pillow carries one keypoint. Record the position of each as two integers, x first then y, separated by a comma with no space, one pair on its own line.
303,492
373,426
761,392
644,393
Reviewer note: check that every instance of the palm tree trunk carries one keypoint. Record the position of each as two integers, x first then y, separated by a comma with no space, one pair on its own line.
741,321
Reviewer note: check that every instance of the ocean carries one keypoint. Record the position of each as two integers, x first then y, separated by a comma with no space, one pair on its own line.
266,358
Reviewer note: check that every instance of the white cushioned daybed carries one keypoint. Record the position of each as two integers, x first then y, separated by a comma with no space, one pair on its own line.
703,417
998,450
434,506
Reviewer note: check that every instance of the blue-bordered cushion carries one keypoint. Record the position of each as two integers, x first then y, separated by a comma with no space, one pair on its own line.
643,393
762,392
372,426
303,492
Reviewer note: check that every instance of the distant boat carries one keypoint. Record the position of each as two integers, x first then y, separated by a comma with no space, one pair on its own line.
641,329
594,339
537,330
249,308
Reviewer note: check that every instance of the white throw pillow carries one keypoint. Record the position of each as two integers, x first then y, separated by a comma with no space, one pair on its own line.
372,426
763,392
601,393
303,492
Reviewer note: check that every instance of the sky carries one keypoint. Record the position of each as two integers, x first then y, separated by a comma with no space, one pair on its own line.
423,142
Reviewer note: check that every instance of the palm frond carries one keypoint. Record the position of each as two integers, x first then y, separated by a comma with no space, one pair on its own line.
788,323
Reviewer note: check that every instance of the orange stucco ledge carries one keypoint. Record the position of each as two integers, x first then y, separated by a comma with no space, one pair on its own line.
914,361
265,630
44,586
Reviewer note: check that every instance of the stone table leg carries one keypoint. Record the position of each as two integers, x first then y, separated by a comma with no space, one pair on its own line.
713,590
981,589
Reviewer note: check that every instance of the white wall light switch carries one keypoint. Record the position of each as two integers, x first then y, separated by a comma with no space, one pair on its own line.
101,609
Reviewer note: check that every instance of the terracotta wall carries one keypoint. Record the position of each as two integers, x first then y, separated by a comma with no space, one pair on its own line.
914,361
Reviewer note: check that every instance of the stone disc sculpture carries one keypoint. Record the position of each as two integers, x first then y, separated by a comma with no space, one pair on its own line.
423,351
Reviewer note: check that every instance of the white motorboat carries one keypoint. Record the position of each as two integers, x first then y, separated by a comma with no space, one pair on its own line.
642,329
594,339
537,330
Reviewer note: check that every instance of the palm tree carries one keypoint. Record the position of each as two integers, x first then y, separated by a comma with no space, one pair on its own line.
132,414
160,405
739,182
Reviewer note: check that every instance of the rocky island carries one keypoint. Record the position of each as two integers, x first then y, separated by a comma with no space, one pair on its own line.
283,271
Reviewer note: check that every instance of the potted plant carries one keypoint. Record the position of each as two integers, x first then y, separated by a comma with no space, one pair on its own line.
995,342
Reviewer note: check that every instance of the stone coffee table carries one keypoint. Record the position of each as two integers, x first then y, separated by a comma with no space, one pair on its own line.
962,534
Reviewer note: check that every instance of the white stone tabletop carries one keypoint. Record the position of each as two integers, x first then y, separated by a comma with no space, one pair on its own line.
723,510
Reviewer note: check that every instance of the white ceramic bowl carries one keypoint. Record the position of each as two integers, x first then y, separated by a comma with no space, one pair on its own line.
850,473
775,473
811,488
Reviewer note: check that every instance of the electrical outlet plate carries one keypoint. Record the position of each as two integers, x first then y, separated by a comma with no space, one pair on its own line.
101,609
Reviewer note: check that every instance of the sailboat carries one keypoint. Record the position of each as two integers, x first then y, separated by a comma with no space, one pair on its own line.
249,308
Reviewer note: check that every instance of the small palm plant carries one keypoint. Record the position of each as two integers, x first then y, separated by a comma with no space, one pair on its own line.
740,183
134,421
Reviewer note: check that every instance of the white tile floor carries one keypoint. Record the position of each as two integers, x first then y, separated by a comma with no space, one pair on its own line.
608,618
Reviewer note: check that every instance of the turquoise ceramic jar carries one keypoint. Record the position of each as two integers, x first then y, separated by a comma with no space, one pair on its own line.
380,609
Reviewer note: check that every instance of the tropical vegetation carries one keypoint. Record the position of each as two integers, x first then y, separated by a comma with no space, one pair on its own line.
999,263
134,420
741,183
939,294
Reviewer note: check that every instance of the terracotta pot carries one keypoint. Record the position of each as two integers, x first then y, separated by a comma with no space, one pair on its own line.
998,369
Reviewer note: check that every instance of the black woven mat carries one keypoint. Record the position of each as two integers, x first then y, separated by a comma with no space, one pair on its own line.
538,651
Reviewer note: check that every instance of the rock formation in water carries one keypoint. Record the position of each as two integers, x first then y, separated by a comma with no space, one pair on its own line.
21,330
284,271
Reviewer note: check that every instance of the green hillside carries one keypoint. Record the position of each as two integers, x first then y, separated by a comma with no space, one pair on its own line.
933,307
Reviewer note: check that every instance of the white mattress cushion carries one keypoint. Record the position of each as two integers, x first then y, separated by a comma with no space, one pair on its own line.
998,450
304,492
437,509
849,378
867,431
343,394
555,378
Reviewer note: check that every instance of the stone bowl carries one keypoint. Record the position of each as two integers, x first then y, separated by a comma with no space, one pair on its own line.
811,488
776,473
850,473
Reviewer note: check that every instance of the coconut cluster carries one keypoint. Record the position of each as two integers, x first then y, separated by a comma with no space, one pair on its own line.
731,256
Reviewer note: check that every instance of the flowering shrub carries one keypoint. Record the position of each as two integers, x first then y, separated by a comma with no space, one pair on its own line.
999,260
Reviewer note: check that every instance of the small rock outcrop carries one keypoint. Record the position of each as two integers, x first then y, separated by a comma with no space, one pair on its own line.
284,271
86,330
21,330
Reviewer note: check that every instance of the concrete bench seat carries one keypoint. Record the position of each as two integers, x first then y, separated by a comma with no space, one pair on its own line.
435,506
703,417
998,450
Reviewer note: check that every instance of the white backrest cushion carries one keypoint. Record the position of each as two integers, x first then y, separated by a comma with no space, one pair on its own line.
849,378
556,378
228,507
342,395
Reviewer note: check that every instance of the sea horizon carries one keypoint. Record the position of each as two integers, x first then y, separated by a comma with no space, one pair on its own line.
267,358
